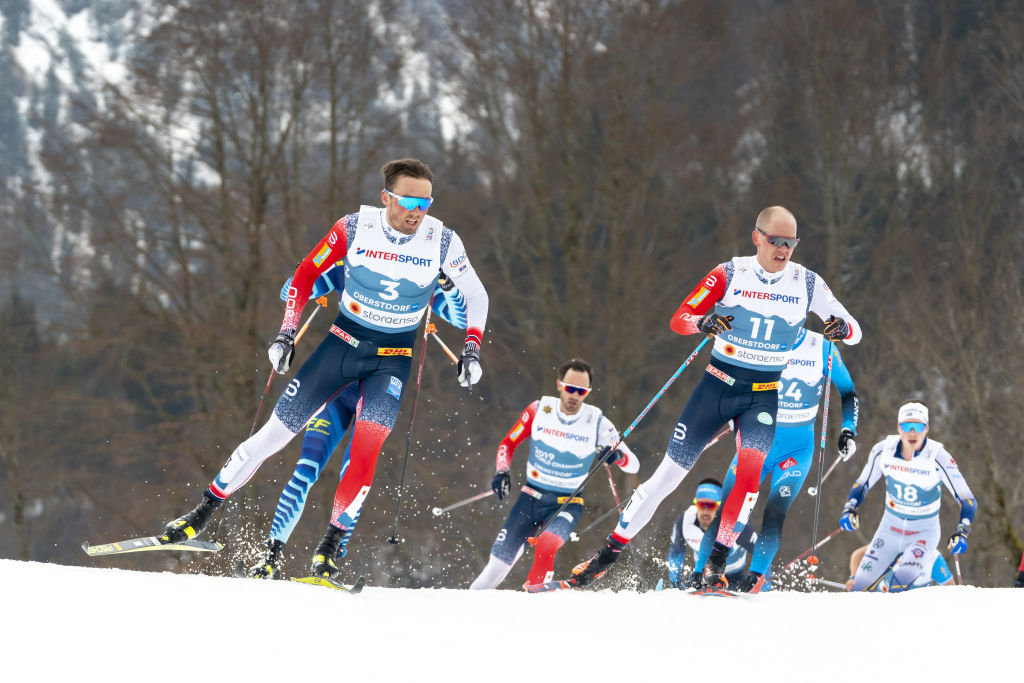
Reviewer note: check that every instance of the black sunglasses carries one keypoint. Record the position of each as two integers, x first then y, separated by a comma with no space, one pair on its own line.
777,241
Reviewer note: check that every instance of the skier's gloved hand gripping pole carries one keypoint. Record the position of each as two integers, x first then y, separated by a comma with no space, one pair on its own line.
284,350
608,450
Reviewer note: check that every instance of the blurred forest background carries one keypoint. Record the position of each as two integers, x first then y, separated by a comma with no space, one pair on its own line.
165,165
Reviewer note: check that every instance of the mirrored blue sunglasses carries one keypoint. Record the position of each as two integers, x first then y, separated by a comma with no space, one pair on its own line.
412,203
912,426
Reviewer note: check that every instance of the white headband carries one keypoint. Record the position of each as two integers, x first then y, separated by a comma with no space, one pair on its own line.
913,412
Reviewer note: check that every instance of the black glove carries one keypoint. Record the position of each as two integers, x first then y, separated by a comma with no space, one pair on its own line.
714,323
836,329
445,281
501,484
1019,583
469,365
846,445
282,351
614,458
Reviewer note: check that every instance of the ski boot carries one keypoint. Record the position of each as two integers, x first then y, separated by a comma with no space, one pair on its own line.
270,566
749,582
696,581
189,526
326,552
586,573
714,569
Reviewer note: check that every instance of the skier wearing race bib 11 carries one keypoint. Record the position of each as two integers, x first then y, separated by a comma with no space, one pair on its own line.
755,307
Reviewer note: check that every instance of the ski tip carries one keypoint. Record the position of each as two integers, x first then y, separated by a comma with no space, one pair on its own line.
547,586
716,592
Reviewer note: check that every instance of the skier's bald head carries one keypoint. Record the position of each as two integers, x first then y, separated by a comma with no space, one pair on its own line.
775,217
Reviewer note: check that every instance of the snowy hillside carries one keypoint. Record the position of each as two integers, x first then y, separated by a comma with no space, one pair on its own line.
114,625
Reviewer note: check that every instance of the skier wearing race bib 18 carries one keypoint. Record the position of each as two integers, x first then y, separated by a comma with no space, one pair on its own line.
755,307
915,469
392,256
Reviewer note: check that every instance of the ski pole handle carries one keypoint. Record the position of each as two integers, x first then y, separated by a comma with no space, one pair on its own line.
437,512
813,489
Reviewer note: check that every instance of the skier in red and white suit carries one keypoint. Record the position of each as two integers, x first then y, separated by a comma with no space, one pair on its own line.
565,436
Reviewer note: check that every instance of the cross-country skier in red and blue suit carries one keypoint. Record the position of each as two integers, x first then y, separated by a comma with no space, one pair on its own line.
392,256
328,428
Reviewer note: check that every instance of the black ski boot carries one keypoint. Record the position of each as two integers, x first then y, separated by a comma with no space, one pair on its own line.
593,569
189,526
714,570
696,581
749,581
270,566
324,556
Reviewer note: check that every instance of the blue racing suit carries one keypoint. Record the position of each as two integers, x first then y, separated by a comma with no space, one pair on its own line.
791,454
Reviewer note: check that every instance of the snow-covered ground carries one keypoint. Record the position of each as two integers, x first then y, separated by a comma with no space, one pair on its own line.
74,623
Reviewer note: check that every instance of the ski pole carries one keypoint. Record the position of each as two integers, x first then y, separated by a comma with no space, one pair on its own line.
825,582
437,512
432,330
394,539
959,577
321,303
603,458
618,504
821,453
576,537
811,549
813,491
